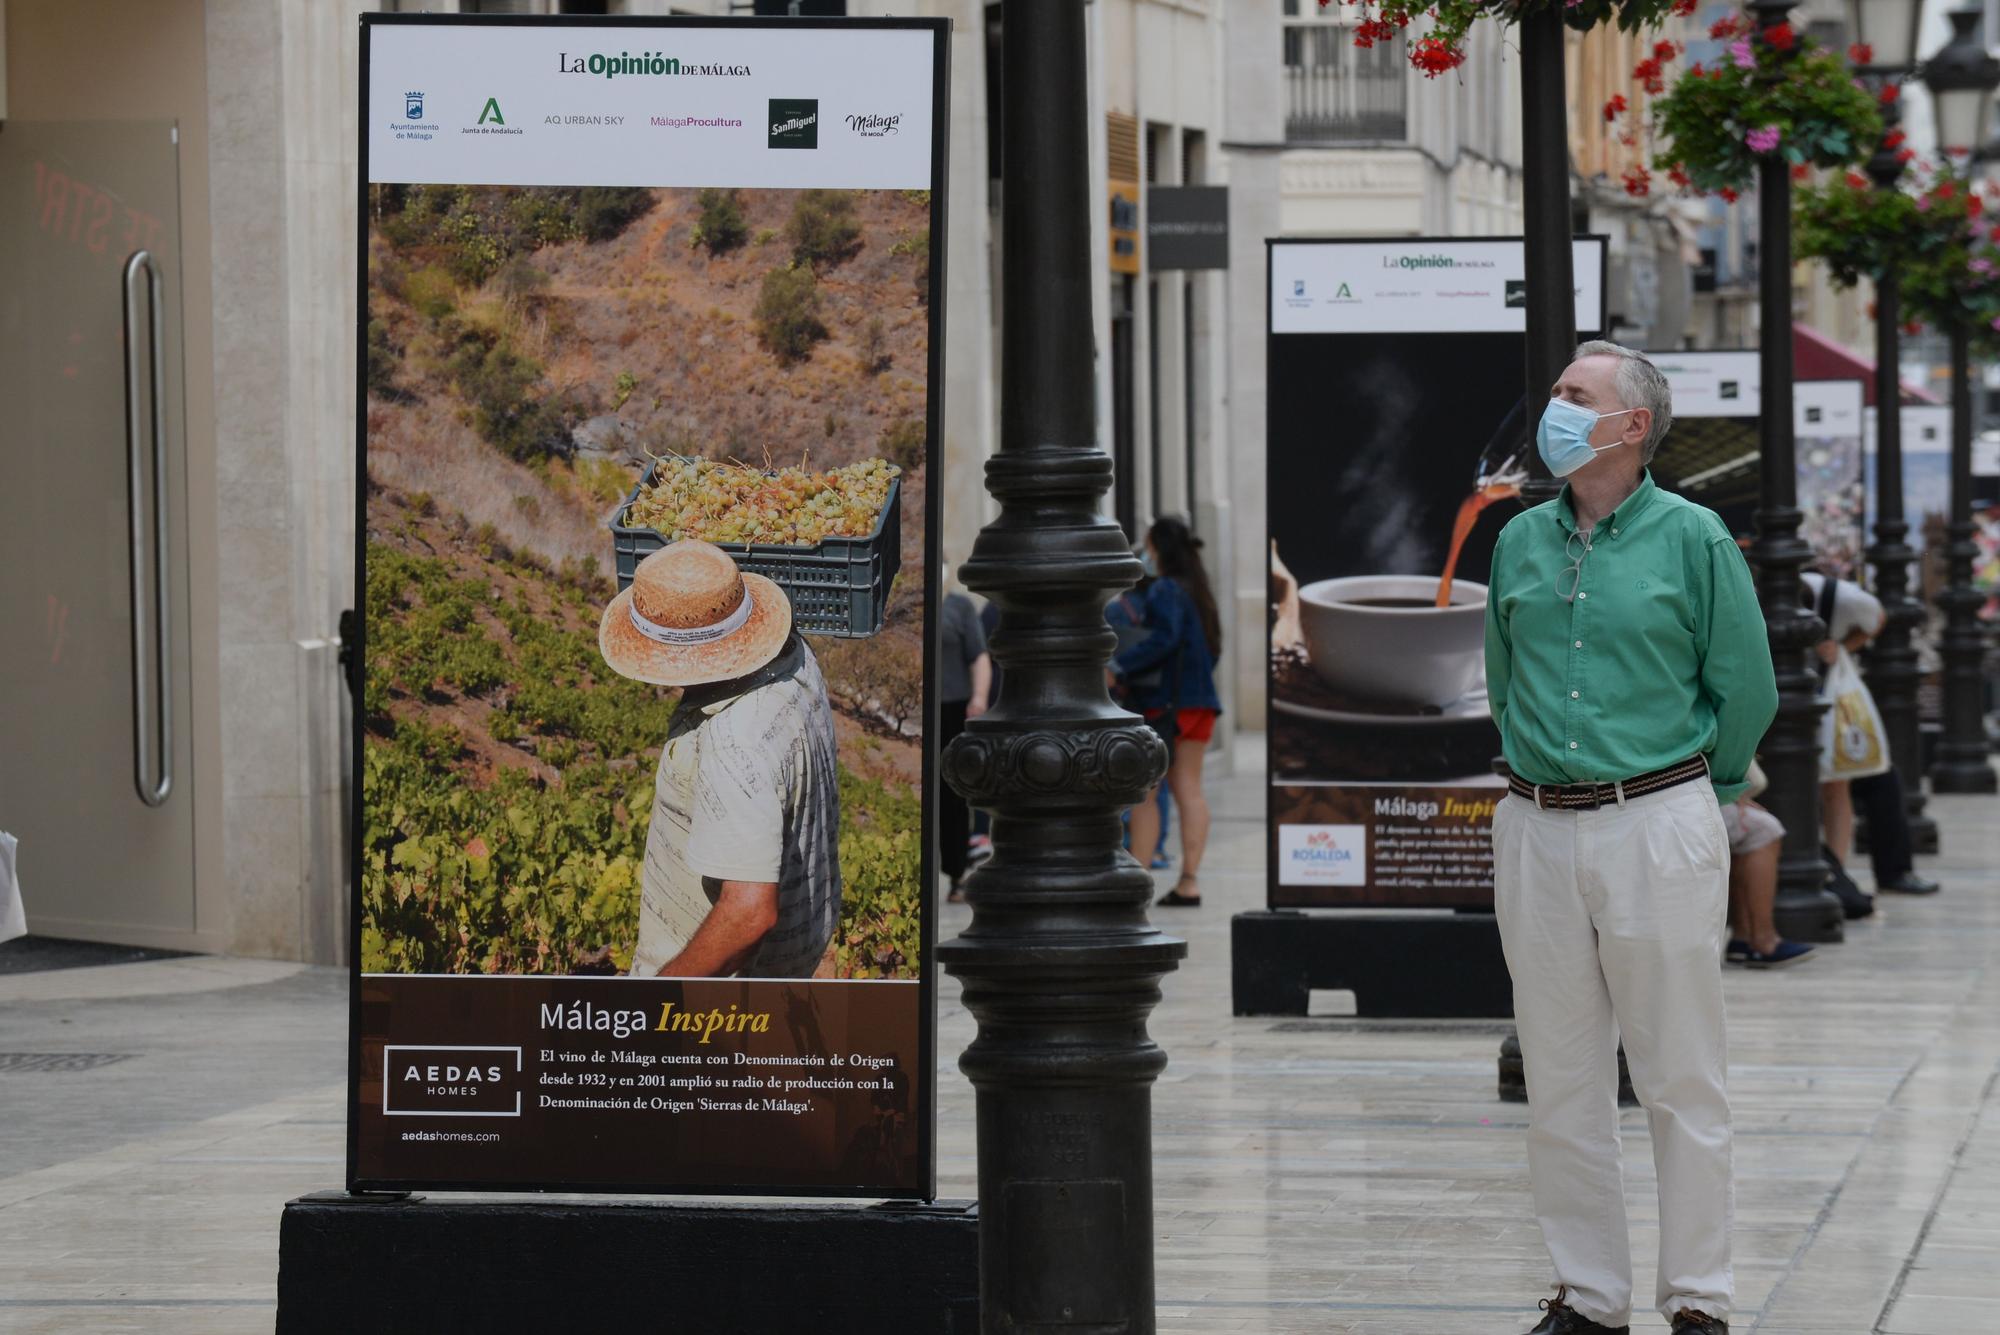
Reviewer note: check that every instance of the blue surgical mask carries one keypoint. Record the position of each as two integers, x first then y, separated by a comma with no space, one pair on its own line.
1564,436
1146,564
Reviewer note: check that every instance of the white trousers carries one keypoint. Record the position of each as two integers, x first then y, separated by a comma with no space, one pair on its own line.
1612,922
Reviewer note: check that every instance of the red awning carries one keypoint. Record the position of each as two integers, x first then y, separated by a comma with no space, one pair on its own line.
1817,357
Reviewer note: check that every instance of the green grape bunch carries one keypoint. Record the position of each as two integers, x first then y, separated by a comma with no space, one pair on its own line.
788,507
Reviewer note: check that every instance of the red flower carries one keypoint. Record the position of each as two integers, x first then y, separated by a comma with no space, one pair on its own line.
1861,53
1781,37
1638,181
1894,139
1906,156
1857,181
1665,50
1800,171
1728,194
1433,56
1678,175
1974,206
1696,71
1913,327
1647,74
1946,190
1890,92
1683,8
1723,29
1370,31
1615,106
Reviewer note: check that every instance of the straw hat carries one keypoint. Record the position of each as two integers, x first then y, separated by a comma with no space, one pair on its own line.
690,616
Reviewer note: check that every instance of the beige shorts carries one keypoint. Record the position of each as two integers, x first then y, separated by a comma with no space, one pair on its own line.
1750,828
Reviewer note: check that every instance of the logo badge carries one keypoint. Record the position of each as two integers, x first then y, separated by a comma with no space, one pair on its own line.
868,125
1322,855
794,122
413,106
1299,287
1516,293
421,1081
490,113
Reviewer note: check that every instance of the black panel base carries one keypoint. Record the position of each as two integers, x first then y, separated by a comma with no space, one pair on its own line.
390,1264
1429,965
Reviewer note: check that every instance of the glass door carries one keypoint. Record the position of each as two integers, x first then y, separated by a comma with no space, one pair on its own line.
94,690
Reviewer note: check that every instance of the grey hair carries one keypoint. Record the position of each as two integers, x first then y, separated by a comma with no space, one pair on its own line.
1641,385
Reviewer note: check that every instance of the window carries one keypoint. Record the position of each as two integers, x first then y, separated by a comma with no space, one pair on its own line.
1336,92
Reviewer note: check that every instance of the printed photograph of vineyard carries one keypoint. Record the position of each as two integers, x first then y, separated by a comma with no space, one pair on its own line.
530,353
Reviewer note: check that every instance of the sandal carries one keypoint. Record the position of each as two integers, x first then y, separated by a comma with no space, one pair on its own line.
1174,899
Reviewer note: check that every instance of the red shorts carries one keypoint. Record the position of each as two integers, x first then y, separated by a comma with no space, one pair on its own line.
1196,725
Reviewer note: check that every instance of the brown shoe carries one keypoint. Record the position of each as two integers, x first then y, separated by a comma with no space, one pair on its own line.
1687,1321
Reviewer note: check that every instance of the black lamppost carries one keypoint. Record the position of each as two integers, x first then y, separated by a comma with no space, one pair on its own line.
1059,965
1805,910
1546,222
1888,28
1962,78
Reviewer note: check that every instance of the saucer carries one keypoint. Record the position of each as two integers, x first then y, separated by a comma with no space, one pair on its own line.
1472,705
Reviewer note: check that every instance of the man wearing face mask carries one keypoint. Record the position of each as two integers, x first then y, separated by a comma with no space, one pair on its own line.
1631,681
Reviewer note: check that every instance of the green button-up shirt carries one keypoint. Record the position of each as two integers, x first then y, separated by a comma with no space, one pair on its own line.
1661,655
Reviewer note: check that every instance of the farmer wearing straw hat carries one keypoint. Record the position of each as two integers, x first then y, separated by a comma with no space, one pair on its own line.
742,871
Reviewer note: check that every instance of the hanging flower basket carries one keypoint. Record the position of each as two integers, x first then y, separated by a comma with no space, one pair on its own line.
1857,230
1954,282
1775,94
1442,47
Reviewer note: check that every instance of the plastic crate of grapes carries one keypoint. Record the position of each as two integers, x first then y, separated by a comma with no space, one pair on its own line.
838,586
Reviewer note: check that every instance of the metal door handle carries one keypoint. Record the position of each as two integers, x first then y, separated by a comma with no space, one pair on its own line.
144,411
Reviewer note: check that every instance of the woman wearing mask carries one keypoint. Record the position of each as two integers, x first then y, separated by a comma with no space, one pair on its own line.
1184,635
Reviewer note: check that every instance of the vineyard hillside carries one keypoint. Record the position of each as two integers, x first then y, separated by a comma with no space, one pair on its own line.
509,772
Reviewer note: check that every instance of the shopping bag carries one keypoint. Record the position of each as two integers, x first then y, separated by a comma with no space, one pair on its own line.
1851,738
13,918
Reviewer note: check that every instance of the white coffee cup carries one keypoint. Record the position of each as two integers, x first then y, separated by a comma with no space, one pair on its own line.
1424,655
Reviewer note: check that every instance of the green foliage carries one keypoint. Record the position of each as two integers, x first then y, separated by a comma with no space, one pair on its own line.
622,389
721,227
881,881
473,231
823,229
499,383
1954,281
1859,231
787,313
516,877
875,346
903,443
1802,97
431,292
383,358
603,211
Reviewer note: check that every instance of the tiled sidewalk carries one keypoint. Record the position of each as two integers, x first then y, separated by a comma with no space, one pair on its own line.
1327,1176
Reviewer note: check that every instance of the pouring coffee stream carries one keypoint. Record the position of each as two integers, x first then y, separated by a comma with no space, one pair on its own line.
1497,477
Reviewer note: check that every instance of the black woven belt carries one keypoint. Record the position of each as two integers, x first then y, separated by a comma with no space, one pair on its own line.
1591,796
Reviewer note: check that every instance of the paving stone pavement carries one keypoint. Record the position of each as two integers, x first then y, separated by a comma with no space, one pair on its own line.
1339,1176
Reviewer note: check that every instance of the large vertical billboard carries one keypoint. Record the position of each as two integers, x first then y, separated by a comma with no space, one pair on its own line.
1397,445
648,411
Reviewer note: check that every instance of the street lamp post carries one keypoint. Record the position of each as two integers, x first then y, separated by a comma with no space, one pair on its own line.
1059,965
1888,30
1962,78
1961,765
1546,224
1805,910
